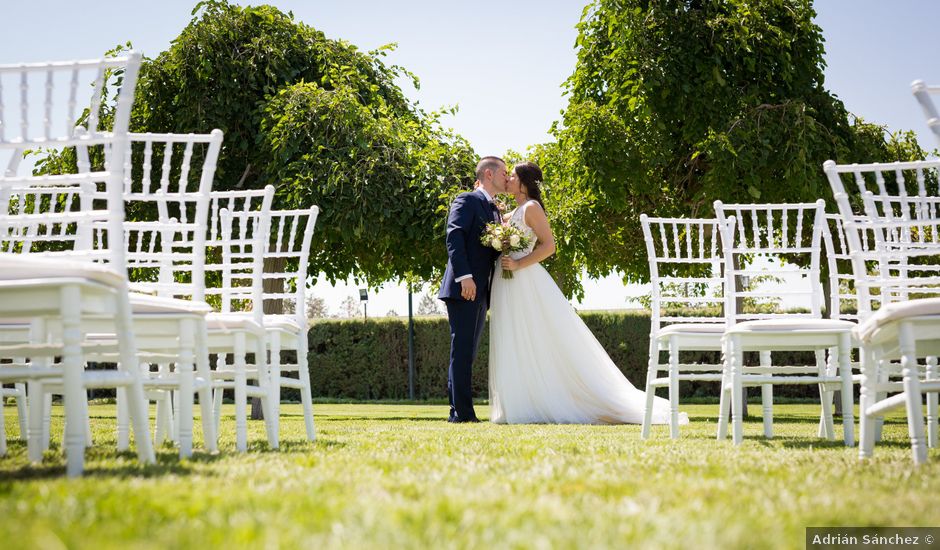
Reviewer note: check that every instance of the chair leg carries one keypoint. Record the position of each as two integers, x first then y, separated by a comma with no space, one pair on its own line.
932,399
3,432
827,395
303,372
674,387
724,403
737,392
218,393
21,411
137,403
883,377
822,369
209,433
123,421
217,396
651,371
767,398
73,391
866,426
848,405
87,423
241,395
911,381
34,430
184,368
164,421
268,407
173,398
274,378
162,424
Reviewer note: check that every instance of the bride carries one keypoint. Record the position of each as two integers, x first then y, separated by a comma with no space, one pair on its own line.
545,364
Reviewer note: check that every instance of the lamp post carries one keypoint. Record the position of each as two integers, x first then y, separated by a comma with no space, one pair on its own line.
364,297
411,349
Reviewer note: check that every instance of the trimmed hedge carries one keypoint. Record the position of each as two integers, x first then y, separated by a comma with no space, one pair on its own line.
357,359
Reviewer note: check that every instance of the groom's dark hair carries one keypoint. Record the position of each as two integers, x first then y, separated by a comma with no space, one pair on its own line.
488,163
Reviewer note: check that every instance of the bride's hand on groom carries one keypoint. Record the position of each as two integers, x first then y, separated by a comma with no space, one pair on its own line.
509,264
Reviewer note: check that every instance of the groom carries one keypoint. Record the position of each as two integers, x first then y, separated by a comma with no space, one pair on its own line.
466,285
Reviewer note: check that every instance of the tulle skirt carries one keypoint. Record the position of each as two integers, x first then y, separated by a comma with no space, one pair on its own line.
546,366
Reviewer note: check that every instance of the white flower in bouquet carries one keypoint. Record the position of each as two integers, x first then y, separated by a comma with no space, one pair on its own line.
504,238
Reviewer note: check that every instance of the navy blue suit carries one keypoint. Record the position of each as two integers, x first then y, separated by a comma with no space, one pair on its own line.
469,214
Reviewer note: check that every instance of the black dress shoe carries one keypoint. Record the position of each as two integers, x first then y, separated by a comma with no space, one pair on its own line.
455,420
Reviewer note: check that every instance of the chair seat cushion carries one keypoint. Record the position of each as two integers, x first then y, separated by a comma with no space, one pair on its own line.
693,328
788,325
896,312
232,321
16,267
282,322
145,303
243,320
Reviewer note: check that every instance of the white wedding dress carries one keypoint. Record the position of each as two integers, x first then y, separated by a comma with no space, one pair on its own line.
545,365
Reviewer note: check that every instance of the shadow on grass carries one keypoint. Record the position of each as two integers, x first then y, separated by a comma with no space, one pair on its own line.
792,419
167,464
801,443
100,462
351,418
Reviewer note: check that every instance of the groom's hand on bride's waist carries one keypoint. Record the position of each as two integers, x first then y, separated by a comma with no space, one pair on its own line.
468,289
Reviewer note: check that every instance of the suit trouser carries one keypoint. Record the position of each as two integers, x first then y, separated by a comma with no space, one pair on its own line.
466,326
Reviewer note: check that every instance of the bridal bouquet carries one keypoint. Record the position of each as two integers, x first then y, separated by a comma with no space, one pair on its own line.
504,238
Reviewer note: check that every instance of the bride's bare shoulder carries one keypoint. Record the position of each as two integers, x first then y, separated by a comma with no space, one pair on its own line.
533,211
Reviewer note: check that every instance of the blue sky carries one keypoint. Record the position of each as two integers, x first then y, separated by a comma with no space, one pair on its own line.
502,62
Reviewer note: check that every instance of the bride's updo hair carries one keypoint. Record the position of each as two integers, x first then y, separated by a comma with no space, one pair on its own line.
530,176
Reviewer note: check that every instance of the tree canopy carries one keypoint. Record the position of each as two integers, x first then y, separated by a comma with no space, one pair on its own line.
323,122
676,103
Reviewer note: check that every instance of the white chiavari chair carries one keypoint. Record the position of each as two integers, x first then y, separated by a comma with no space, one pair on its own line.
907,195
922,93
239,223
285,311
48,220
167,184
772,239
687,302
904,273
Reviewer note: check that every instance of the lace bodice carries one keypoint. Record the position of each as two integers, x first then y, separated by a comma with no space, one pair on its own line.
518,220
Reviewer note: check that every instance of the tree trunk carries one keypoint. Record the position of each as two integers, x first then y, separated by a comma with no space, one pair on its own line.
271,307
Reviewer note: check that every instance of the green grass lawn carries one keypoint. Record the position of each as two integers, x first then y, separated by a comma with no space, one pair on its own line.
398,476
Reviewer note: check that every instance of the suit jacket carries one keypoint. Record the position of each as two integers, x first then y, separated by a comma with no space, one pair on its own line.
469,214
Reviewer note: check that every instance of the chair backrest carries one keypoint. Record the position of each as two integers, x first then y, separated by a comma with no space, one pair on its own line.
166,189
40,104
902,264
291,232
686,262
922,93
239,225
776,241
845,301
891,213
67,219
67,214
894,190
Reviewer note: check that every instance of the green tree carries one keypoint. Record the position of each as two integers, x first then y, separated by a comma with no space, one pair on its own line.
429,304
676,103
323,122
